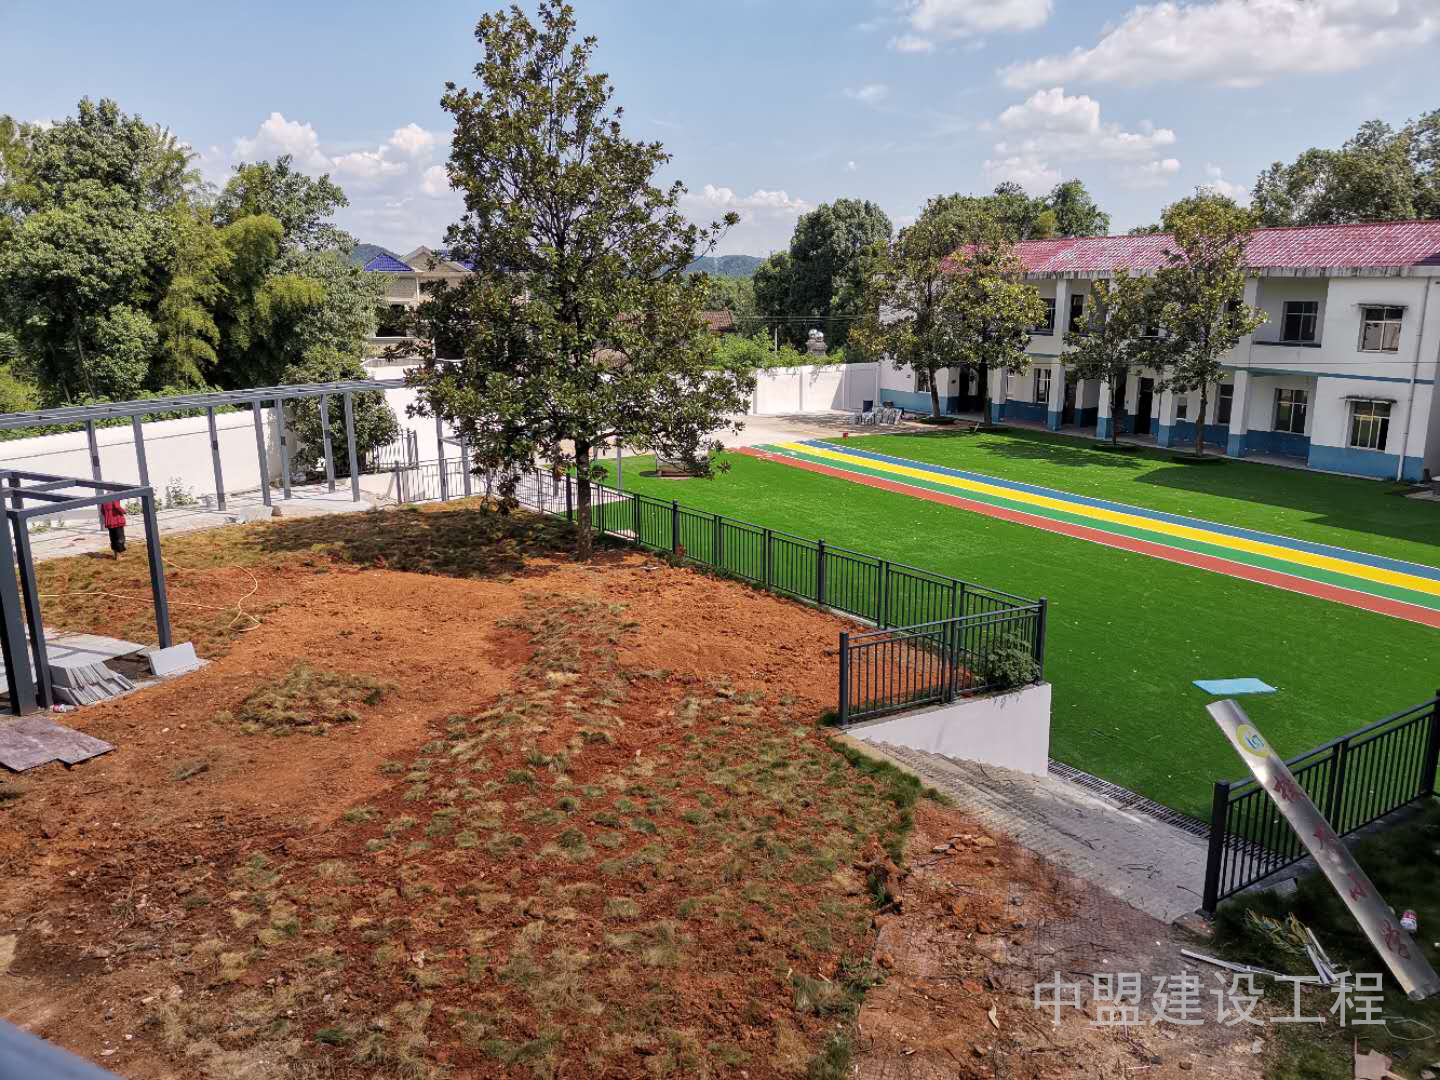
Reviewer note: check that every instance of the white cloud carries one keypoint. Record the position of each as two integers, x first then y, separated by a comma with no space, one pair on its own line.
950,19
1032,173
1152,173
1217,183
1238,42
1052,122
850,166
724,198
911,43
869,94
767,217
382,181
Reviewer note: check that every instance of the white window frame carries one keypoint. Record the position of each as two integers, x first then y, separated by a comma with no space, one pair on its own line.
1220,399
1043,377
1380,425
1182,406
1301,403
1075,319
1388,323
922,381
1047,325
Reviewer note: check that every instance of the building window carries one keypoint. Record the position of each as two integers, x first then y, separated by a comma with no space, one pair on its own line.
1380,328
1300,321
1369,424
1182,406
1047,324
922,381
1077,312
1290,409
1042,385
1224,401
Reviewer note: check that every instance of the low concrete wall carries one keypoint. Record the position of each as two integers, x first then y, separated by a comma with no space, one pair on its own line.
1010,730
813,389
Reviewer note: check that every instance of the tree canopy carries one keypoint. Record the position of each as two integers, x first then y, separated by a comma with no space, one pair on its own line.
580,324
1378,174
1118,337
1068,210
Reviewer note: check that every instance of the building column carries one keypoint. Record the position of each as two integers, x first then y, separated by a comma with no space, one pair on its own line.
1057,395
998,395
1104,423
1165,432
1239,415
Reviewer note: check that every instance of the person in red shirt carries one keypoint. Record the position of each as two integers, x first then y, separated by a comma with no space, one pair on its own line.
113,515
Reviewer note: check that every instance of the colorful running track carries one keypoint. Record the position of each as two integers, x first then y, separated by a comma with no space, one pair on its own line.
1393,587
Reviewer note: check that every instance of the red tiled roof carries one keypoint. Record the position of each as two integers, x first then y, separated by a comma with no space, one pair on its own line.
1308,247
720,322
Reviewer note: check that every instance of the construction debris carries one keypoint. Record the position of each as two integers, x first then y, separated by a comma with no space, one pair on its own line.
38,740
1243,969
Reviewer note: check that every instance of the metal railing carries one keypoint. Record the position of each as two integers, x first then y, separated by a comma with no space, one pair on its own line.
870,588
404,449
1353,780
885,671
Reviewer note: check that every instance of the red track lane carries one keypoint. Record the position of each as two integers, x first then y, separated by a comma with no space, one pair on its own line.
1350,597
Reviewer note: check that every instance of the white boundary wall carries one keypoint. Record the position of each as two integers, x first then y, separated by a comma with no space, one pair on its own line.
176,451
814,388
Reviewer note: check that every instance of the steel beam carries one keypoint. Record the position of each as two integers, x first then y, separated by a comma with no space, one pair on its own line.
284,436
19,681
30,593
94,445
157,570
350,450
140,462
325,434
263,454
215,459
440,457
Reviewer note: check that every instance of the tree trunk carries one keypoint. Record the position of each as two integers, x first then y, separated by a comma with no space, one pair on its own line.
1200,420
984,381
584,539
934,397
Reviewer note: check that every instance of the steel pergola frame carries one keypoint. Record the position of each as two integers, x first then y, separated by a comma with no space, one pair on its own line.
256,398
52,494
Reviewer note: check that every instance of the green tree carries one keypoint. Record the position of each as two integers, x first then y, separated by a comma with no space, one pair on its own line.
826,255
1199,295
1118,337
771,287
188,334
1378,174
1017,215
1076,212
302,204
580,324
949,295
375,423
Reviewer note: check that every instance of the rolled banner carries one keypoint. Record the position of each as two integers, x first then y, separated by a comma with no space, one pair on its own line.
1398,949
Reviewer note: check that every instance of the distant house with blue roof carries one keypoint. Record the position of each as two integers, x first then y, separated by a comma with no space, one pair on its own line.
406,276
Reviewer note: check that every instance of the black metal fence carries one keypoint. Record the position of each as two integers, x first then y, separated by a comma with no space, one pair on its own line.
1353,780
986,649
876,590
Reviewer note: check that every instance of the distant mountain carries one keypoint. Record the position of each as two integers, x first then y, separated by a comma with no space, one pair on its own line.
738,266
361,254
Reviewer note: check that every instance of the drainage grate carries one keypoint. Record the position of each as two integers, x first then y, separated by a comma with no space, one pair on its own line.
1129,800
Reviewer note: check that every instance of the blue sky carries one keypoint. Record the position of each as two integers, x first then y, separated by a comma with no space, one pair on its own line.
770,107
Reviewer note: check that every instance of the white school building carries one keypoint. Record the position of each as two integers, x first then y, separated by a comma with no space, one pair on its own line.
1341,377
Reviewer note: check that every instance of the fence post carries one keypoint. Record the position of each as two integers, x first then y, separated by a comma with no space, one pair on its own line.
1335,797
675,526
765,555
1219,822
820,572
1432,750
1042,619
717,546
569,500
844,677
882,616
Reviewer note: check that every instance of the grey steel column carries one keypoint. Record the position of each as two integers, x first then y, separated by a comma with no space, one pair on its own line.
94,458
30,590
350,446
215,459
157,570
325,434
440,457
255,411
18,679
465,461
140,461
284,446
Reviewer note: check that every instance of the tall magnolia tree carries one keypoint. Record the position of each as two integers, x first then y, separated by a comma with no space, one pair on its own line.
579,325
1117,338
947,295
1200,293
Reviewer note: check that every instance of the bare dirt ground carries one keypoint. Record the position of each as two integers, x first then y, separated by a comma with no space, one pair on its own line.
588,827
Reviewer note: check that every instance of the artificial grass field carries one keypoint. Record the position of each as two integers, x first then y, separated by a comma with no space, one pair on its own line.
1128,632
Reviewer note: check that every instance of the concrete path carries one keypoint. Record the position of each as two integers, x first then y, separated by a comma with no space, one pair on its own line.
1152,866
